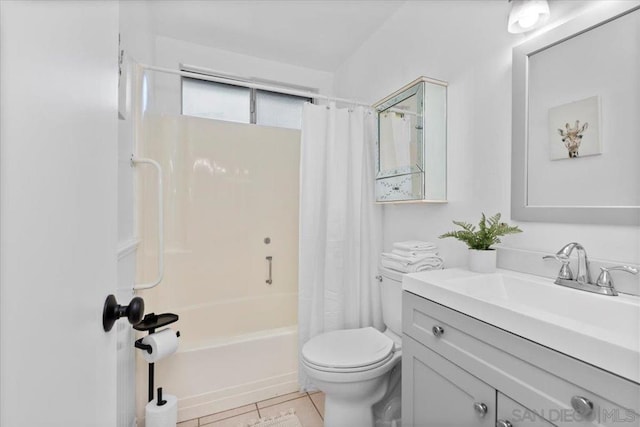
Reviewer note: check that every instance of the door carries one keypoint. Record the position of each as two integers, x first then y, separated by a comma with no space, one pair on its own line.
435,392
511,413
58,212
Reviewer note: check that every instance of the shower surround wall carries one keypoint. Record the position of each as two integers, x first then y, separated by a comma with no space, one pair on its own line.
227,187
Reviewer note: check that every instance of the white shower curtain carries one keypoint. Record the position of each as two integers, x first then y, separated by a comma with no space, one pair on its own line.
340,224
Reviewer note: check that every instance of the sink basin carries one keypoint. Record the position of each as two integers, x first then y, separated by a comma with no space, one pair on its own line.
601,330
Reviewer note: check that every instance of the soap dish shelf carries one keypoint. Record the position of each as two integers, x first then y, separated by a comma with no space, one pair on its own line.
153,321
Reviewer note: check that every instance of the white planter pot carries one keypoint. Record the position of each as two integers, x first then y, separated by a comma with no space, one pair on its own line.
482,261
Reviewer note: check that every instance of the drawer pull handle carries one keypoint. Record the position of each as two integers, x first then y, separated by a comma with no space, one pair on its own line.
437,331
480,408
503,423
582,405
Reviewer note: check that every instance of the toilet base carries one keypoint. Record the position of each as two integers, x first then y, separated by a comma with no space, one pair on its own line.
338,413
351,404
388,411
350,396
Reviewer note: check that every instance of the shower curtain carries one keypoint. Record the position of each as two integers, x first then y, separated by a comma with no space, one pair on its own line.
340,224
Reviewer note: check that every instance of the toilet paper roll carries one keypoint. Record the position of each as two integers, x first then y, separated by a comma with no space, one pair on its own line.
162,416
163,343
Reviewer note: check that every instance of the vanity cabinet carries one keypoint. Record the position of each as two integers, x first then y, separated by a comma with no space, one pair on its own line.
443,394
453,363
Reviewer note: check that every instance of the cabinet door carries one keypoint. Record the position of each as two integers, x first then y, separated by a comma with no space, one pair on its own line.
437,393
511,413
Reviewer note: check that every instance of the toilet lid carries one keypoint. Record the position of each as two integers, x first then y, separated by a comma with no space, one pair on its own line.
350,348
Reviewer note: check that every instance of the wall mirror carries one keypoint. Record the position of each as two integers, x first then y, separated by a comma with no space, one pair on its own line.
412,143
576,103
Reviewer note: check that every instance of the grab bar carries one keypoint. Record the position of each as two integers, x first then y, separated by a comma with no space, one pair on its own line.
141,286
269,280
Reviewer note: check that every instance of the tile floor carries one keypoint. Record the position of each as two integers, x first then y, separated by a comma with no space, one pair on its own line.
309,408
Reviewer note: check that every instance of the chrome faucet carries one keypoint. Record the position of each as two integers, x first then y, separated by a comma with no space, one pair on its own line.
582,281
583,276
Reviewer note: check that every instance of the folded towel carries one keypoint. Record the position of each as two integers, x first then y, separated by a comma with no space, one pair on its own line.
414,245
435,263
411,254
409,260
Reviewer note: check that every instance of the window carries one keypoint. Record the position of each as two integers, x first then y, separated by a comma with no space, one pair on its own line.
279,110
216,100
202,98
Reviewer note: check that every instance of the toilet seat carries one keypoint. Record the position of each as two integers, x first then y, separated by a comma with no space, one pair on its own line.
350,350
347,370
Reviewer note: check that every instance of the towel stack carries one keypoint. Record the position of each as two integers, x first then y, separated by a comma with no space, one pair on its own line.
412,256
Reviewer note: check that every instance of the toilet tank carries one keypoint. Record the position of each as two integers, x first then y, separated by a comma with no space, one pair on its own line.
391,296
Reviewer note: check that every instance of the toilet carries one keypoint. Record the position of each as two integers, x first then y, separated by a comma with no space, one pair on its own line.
357,368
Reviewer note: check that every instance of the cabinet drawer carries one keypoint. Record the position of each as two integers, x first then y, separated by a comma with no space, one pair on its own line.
542,379
518,415
401,187
435,392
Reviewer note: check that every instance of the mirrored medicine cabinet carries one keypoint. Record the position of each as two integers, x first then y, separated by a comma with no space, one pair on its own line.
411,155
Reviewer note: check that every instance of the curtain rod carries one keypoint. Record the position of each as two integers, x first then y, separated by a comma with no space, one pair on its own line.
252,85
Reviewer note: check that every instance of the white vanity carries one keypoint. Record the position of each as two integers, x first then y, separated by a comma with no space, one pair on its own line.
513,349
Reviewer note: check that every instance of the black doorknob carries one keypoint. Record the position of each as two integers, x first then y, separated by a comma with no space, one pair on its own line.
113,311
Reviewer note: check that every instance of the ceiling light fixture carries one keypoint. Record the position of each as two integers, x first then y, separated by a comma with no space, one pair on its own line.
527,15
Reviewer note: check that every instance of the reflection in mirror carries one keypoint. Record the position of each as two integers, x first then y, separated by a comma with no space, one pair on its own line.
411,155
400,133
574,128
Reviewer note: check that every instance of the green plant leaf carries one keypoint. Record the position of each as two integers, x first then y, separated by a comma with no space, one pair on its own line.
487,234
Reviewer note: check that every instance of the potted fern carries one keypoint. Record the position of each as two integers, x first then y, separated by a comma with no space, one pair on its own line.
482,258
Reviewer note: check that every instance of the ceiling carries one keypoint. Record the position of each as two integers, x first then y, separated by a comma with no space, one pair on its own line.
318,34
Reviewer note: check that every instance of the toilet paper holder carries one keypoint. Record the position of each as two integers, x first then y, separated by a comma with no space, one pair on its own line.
149,324
139,344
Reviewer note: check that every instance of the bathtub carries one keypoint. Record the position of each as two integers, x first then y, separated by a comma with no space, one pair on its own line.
209,373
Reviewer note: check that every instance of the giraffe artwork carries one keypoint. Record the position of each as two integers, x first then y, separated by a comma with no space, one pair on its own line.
572,137
574,129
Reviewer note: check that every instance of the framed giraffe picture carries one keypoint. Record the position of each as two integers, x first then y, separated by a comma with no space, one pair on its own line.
574,129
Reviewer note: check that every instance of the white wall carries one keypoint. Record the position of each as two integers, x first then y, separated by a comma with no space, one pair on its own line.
465,43
170,53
